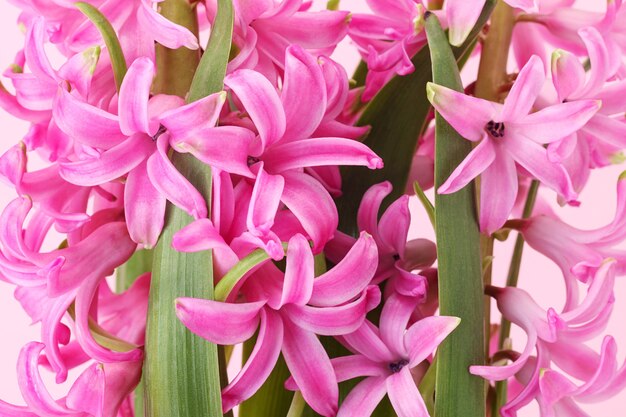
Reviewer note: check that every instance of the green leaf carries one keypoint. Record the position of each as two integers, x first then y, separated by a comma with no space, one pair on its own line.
210,75
397,116
458,252
118,62
137,265
428,206
182,370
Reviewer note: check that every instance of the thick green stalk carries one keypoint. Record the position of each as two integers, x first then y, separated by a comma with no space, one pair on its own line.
181,370
458,393
511,281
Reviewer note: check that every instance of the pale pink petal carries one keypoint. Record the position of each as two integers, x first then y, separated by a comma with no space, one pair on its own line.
348,277
217,322
134,96
172,184
320,152
404,396
364,398
568,74
144,207
462,16
555,122
423,337
475,114
34,52
312,205
311,369
264,202
534,158
607,129
394,226
85,123
554,386
334,321
598,58
394,318
261,102
500,373
225,147
260,363
303,94
163,30
299,273
110,165
524,92
498,191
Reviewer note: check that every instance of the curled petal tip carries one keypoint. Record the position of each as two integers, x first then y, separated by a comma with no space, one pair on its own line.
375,163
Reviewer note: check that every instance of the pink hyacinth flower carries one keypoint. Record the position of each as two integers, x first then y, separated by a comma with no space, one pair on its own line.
386,356
290,309
505,135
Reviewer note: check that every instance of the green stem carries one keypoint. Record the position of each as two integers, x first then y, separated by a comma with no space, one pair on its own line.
297,405
458,393
511,281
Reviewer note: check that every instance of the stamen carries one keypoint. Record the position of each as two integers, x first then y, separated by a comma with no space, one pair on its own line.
396,367
495,129
252,160
162,129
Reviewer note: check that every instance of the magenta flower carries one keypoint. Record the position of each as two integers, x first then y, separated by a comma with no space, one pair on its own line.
124,144
290,309
505,135
386,357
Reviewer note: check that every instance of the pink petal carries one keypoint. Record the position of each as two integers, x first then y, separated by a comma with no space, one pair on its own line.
312,205
367,341
334,321
264,202
225,147
554,386
85,123
303,94
320,152
500,373
467,115
217,322
534,158
462,16
261,102
568,74
394,226
404,396
557,121
348,277
144,207
183,122
394,318
364,398
598,57
607,129
367,216
299,273
311,369
34,52
499,179
423,337
164,31
87,393
172,184
199,235
524,92
110,165
260,363
133,98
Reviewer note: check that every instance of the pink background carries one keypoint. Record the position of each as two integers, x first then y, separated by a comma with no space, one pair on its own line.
539,275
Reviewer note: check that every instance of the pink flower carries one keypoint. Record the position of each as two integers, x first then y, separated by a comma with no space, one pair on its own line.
290,309
100,391
505,135
386,357
124,144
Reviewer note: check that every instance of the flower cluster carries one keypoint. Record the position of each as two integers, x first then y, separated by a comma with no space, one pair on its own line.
94,176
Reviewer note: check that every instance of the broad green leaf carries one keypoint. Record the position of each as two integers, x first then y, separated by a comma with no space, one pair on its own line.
181,370
397,116
458,251
118,62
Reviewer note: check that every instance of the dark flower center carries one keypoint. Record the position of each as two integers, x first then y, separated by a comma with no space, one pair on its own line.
396,257
162,129
396,367
495,129
252,160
